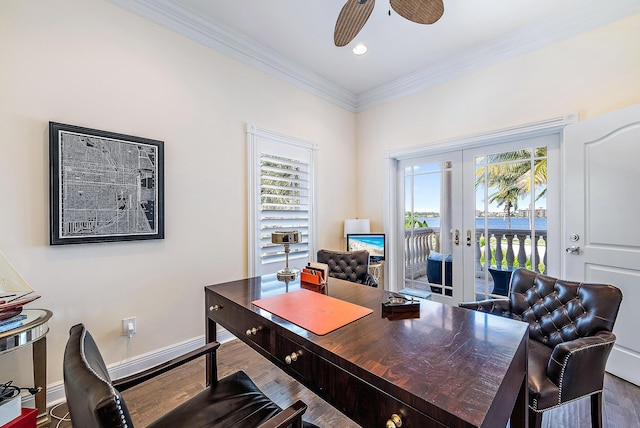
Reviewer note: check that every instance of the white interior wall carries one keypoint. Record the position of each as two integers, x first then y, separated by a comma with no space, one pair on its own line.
92,64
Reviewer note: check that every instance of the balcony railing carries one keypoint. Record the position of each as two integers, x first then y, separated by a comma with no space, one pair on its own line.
509,254
417,246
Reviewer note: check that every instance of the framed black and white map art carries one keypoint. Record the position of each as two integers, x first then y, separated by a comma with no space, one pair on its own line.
104,186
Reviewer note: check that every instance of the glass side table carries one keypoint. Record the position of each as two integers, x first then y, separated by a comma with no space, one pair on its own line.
32,332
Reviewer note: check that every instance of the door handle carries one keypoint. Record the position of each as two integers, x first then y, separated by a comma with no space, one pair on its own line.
457,237
468,237
574,249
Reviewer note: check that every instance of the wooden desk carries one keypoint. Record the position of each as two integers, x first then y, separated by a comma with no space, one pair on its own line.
449,367
33,332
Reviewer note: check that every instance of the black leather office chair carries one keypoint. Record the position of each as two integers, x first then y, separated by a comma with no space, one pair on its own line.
570,337
348,265
94,401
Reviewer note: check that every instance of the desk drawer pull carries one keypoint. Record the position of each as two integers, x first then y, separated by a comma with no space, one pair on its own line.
394,422
293,357
214,308
253,331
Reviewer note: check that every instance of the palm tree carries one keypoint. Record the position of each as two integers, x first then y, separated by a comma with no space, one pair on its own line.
511,174
506,195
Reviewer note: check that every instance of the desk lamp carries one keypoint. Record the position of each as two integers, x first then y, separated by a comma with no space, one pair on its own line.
356,226
286,238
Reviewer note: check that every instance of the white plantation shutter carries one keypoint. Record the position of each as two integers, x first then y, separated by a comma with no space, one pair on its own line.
284,205
281,198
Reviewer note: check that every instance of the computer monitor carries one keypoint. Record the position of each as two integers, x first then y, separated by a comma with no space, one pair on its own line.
374,243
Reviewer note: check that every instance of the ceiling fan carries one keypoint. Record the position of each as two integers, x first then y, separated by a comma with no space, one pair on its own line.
354,15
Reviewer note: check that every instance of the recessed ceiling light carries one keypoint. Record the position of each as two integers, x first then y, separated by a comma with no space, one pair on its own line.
359,49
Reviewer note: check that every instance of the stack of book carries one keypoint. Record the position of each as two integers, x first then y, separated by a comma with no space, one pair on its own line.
11,323
12,308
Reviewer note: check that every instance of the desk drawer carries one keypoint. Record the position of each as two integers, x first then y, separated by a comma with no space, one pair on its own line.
364,403
243,324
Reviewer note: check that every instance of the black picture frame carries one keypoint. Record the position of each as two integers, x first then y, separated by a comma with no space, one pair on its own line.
104,186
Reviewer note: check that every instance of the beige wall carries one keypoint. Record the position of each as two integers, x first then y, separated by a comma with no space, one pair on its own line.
92,64
590,74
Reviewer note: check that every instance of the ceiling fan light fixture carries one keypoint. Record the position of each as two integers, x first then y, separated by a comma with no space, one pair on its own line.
360,49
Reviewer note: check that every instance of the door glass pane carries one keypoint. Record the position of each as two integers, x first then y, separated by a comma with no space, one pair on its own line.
427,237
511,211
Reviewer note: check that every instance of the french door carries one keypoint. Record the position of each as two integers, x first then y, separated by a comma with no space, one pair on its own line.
464,219
512,203
430,221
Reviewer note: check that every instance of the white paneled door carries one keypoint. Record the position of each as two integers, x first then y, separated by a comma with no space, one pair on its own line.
601,238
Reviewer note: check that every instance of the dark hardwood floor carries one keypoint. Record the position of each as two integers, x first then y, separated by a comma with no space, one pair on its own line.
621,399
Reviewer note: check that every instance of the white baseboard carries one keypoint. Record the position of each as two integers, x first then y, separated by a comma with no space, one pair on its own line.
624,363
55,391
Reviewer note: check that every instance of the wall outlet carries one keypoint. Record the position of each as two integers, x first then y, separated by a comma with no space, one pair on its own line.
129,326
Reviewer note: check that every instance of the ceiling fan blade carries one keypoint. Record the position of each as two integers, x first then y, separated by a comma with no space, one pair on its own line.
352,18
419,11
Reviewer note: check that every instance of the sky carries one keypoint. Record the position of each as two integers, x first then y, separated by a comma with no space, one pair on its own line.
427,196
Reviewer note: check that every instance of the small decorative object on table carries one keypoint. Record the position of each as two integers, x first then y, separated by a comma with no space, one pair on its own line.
397,303
14,293
286,238
314,277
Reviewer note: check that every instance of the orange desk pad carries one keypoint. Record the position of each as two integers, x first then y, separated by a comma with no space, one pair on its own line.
312,311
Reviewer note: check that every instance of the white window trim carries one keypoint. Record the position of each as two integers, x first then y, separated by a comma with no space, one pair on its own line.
254,135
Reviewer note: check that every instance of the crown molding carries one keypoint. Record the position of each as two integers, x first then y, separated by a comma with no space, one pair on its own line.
174,17
525,40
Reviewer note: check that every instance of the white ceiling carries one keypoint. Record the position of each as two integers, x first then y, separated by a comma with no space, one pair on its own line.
293,39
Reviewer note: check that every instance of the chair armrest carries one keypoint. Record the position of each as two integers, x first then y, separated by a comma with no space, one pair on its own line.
500,307
292,416
577,366
135,379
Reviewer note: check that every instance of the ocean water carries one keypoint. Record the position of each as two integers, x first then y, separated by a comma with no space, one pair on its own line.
496,223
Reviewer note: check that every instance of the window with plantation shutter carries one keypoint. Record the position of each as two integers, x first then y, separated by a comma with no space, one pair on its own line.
280,198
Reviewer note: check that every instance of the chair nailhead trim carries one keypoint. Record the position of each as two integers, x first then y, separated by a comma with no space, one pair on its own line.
111,388
566,360
534,407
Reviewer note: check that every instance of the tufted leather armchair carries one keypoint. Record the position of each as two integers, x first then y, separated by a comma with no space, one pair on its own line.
348,265
570,337
94,401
